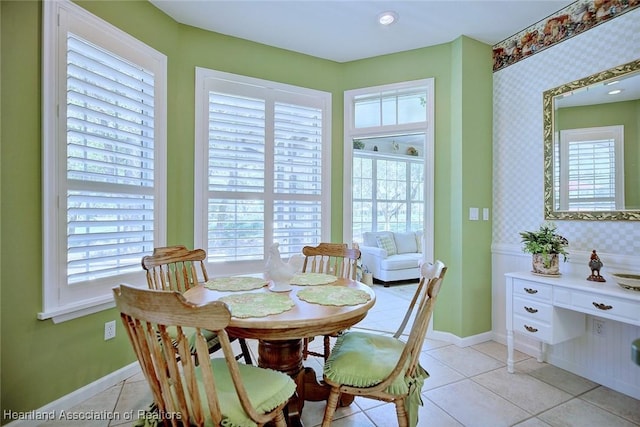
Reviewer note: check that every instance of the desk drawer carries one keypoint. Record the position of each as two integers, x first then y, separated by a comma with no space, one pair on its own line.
532,309
535,329
606,306
530,289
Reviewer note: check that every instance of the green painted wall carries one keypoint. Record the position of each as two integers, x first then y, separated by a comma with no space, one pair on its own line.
474,263
40,361
467,243
463,159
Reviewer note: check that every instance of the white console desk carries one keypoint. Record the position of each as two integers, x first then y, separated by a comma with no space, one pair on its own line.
553,309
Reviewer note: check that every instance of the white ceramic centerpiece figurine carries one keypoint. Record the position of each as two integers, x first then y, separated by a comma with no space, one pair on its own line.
545,246
277,271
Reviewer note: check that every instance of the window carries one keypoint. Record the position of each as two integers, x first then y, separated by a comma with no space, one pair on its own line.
390,106
591,169
262,169
103,160
389,160
388,189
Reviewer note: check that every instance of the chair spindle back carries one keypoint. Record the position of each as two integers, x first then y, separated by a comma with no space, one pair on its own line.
181,388
175,268
331,258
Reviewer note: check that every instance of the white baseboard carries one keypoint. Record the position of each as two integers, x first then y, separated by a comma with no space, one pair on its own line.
34,418
460,342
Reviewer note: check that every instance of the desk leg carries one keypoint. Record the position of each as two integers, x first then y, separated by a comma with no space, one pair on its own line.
542,356
510,351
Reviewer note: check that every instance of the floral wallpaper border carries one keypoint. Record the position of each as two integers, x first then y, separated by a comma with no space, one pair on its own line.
566,23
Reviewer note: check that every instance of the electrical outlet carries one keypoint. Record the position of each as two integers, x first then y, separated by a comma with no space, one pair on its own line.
598,327
110,330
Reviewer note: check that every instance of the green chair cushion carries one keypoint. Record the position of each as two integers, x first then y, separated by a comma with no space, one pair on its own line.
266,388
359,359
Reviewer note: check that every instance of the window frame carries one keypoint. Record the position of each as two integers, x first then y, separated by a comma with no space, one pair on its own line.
262,89
426,127
62,302
376,199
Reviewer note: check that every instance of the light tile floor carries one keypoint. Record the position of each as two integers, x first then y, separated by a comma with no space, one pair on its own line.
467,387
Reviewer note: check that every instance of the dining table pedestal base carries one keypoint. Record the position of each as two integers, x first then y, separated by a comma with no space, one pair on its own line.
286,356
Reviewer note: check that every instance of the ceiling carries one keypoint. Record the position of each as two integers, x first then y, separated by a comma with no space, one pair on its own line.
344,31
597,93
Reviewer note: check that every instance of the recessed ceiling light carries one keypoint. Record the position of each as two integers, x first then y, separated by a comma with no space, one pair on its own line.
387,18
615,92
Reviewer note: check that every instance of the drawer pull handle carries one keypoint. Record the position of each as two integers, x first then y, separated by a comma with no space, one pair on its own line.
601,306
531,310
530,328
531,291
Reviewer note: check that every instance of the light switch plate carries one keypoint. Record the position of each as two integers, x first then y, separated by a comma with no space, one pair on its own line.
473,214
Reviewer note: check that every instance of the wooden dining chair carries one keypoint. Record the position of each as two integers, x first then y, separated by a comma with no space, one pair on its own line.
176,268
329,258
428,272
384,367
221,392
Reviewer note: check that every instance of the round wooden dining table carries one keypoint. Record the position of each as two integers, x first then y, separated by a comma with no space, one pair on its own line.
280,336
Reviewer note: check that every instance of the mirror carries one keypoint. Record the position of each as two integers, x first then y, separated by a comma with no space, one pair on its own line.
592,147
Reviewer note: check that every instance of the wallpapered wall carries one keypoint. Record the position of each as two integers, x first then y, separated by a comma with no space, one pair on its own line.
517,128
518,195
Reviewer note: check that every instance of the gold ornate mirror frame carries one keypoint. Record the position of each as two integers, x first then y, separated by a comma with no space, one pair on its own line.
548,108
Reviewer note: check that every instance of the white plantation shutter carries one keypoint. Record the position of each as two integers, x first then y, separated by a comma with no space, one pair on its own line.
236,143
298,150
266,149
297,176
236,177
110,164
104,159
591,163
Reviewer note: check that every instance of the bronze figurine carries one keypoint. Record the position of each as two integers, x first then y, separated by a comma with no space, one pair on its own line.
595,265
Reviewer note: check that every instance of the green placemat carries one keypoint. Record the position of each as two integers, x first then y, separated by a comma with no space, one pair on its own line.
312,279
334,295
257,304
235,283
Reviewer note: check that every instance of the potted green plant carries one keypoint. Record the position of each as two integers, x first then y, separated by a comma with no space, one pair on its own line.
545,246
